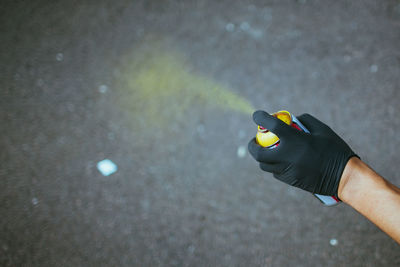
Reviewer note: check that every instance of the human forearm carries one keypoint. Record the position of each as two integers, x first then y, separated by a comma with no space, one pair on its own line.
322,163
371,195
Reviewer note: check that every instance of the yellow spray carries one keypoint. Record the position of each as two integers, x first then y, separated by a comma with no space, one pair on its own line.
160,86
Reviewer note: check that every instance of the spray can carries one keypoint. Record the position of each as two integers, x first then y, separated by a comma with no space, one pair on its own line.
268,139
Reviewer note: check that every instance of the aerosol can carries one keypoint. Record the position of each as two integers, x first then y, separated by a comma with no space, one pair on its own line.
268,139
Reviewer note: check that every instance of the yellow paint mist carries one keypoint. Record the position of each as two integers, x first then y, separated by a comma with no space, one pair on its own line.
162,86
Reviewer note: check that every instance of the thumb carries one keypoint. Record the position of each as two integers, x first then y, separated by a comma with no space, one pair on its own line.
271,123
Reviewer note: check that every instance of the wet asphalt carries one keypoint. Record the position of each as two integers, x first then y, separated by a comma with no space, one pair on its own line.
153,86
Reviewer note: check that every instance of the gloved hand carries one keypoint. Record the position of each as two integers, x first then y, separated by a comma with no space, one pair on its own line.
313,162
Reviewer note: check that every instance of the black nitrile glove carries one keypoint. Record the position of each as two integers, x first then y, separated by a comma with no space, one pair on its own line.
313,162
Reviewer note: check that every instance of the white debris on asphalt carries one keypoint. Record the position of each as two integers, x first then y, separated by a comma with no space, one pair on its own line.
103,88
230,27
107,167
244,26
59,57
35,201
333,242
373,68
241,152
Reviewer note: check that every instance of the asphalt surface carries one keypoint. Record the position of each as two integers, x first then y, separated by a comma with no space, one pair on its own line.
155,87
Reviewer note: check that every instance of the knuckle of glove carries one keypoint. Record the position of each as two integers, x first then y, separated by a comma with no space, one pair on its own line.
306,115
276,124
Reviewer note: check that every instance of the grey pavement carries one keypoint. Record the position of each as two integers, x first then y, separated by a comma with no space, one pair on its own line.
165,90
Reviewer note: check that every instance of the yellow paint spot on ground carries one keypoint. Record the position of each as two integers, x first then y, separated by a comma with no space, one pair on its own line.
161,86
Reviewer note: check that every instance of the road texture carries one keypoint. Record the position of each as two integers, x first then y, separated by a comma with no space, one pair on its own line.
165,90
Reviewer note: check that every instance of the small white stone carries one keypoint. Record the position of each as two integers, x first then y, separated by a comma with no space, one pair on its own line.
35,201
230,27
244,26
103,88
241,152
373,68
59,56
107,167
333,242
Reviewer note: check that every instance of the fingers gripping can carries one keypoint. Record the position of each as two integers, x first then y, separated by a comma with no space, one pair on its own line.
268,139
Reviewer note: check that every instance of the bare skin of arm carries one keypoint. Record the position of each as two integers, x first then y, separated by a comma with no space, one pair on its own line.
372,196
